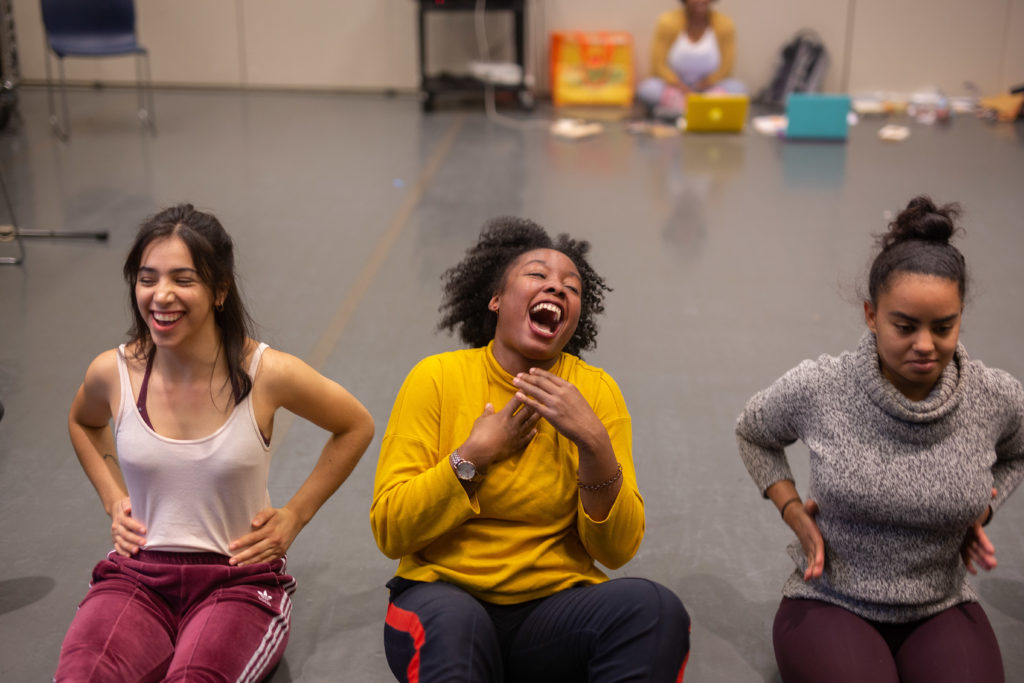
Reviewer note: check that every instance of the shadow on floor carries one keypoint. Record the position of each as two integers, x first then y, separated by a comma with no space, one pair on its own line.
718,607
17,593
1005,595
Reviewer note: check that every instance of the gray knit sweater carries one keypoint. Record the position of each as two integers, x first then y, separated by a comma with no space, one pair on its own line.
898,482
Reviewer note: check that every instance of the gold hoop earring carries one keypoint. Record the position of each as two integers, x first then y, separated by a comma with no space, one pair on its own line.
219,307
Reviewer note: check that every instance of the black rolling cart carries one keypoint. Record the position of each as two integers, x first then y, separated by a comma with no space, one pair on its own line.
9,75
432,86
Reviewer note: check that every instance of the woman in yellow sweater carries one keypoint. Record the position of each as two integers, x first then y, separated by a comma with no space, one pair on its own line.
693,50
506,474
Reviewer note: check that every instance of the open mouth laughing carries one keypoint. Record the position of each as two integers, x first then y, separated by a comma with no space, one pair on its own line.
166,319
546,318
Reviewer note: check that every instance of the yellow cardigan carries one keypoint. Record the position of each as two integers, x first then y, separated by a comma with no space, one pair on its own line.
673,23
523,534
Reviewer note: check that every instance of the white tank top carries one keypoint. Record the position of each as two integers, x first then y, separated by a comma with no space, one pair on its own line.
194,495
692,61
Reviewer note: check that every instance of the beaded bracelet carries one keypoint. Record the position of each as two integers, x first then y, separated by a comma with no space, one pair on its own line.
603,484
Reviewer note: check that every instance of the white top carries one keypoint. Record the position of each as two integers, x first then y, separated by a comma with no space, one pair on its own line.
194,495
692,61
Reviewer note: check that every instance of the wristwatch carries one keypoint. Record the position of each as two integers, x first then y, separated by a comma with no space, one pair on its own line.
464,469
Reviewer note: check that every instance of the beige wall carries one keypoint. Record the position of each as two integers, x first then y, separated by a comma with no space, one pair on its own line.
898,46
348,44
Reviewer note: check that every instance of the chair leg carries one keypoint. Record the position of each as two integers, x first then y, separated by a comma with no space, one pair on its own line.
10,233
144,87
64,98
61,131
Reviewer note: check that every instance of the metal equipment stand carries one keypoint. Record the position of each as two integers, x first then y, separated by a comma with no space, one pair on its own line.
13,233
433,85
8,65
9,78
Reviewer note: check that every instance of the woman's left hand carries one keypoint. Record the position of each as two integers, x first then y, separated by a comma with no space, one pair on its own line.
274,529
560,403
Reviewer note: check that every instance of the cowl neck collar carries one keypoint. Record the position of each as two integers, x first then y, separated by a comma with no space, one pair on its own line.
943,398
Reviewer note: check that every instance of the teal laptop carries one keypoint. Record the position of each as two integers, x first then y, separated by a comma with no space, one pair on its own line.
813,116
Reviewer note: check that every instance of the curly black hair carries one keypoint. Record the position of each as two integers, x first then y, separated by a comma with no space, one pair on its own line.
469,286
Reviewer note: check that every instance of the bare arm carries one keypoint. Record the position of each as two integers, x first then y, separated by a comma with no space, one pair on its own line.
93,441
295,386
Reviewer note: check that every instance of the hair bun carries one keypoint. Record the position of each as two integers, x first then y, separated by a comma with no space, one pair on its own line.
924,221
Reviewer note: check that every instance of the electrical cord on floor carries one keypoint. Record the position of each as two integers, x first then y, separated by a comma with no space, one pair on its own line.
479,15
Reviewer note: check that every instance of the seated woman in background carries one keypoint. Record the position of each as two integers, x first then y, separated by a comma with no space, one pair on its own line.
694,50
913,446
195,587
506,475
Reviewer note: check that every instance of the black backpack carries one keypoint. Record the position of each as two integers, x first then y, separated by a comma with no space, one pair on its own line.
802,64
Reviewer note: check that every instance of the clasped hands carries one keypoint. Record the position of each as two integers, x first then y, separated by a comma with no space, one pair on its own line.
497,435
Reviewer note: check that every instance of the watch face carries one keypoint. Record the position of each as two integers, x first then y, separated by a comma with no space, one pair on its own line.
465,470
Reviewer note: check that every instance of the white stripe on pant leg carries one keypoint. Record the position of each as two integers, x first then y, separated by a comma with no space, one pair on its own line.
279,626
278,635
271,639
254,670
275,632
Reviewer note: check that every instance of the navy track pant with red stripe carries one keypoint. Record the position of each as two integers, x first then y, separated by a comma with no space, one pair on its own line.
622,630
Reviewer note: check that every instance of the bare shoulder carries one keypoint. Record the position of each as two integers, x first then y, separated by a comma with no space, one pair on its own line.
277,365
97,398
102,372
281,374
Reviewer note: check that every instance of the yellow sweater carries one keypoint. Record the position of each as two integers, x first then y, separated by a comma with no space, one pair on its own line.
523,534
673,23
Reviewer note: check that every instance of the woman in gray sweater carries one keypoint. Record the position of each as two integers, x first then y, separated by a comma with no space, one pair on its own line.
913,446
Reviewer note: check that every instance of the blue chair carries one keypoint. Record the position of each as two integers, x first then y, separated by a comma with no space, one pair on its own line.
93,28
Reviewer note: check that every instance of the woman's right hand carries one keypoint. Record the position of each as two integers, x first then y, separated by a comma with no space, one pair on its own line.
498,435
800,519
128,533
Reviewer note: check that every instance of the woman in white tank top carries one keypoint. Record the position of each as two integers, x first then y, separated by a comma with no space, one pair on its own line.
693,50
196,576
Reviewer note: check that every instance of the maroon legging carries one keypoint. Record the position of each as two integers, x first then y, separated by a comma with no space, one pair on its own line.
817,641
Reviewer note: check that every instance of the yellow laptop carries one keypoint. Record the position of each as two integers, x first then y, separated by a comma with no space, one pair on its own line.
716,113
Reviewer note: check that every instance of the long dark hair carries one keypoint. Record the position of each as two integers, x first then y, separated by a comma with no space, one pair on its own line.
469,286
918,241
213,255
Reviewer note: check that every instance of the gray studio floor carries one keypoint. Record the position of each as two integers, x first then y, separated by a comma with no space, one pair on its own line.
732,258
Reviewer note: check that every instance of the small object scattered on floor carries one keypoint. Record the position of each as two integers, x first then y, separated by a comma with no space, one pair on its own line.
774,125
655,129
893,133
668,130
574,129
870,107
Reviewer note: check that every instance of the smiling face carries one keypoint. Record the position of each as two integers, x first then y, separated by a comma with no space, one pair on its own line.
917,324
538,308
172,298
